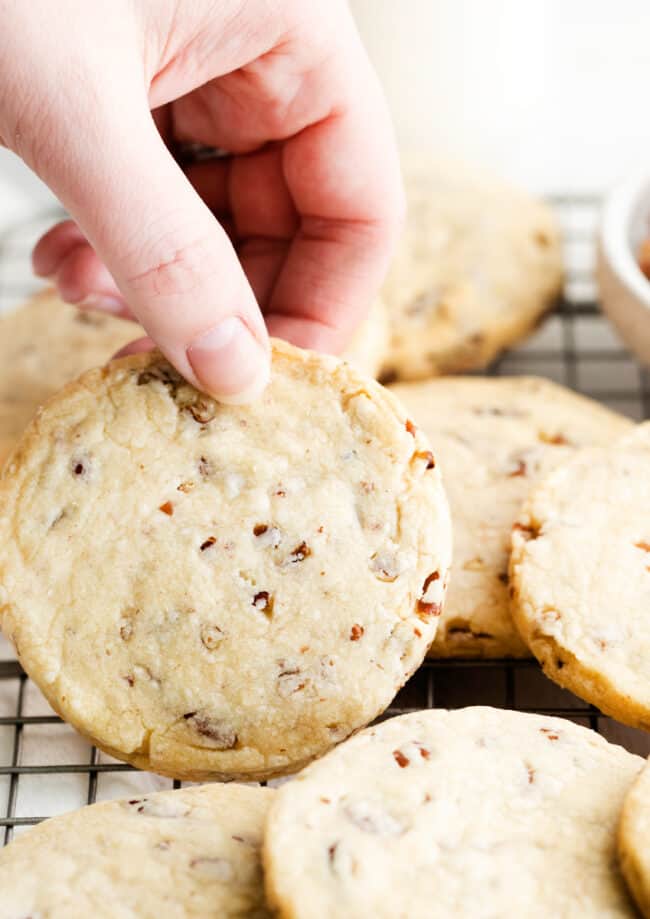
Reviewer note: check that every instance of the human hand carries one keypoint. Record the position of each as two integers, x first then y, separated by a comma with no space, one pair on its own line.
308,206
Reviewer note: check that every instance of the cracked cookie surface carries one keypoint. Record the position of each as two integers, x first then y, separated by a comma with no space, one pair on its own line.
209,590
580,575
478,265
472,813
191,854
495,438
43,345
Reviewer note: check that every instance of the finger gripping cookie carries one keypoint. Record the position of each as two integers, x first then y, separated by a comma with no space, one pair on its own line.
580,577
208,590
190,854
471,814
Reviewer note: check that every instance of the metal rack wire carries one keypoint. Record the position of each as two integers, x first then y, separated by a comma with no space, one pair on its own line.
575,346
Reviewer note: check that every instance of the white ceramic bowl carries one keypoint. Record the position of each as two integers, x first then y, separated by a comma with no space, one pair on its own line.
624,289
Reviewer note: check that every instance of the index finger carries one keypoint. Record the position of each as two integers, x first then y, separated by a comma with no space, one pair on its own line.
343,175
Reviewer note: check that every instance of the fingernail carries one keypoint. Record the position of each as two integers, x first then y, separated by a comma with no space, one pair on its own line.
103,303
230,363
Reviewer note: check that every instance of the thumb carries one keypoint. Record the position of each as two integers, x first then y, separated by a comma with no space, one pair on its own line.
170,258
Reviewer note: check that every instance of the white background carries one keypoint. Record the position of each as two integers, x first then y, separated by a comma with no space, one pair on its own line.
553,93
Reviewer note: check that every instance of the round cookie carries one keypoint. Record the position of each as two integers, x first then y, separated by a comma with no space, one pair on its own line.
633,838
43,345
474,813
580,577
494,438
209,590
478,265
367,349
191,854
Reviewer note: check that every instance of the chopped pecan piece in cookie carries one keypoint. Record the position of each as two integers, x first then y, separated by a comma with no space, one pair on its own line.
299,554
263,601
291,679
222,736
266,535
430,603
203,411
162,373
550,733
427,457
401,760
211,636
385,565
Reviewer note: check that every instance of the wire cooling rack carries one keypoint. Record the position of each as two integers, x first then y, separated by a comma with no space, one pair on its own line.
47,768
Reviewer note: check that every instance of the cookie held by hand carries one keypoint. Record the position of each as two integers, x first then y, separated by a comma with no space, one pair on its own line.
222,591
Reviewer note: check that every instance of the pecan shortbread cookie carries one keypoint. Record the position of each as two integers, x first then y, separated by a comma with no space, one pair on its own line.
634,840
465,814
478,265
209,590
190,854
495,438
43,345
580,573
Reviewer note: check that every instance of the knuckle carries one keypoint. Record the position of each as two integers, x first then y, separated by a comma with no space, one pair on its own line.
167,267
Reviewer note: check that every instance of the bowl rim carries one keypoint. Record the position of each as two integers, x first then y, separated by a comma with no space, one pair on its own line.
618,212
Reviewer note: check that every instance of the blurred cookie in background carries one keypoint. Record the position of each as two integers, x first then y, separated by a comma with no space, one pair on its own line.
44,344
493,439
478,265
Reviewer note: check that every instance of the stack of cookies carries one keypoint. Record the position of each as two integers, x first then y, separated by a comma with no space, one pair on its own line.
229,593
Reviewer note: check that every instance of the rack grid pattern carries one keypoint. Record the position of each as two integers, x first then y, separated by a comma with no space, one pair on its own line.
46,768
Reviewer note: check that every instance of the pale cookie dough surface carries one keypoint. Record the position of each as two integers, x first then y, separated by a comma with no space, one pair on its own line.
187,854
634,840
478,265
367,349
476,813
43,345
580,573
494,439
209,590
